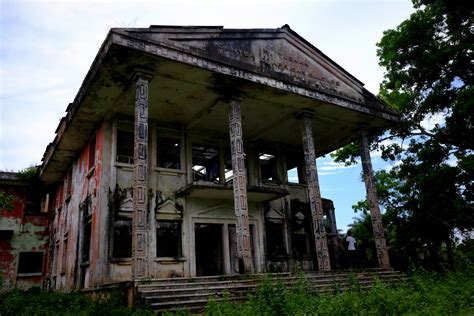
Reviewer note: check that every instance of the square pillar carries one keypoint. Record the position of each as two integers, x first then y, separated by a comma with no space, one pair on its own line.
140,179
373,201
314,193
240,188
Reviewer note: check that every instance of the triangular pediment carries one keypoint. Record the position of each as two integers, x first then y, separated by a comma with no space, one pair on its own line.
274,214
126,205
168,207
275,53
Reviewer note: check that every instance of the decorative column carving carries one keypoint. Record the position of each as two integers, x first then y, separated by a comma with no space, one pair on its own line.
377,226
314,193
240,187
140,179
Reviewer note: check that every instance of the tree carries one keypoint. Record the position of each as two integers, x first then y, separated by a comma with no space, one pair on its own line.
429,76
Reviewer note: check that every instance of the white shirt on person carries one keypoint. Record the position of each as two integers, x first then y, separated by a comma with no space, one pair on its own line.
351,243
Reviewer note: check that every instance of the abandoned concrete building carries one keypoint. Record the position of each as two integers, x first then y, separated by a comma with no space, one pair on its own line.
173,159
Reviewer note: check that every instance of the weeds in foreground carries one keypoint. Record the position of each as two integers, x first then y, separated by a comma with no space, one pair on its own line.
425,293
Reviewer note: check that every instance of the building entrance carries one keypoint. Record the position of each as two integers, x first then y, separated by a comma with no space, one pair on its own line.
209,249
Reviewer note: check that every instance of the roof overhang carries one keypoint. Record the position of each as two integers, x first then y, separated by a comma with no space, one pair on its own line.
275,72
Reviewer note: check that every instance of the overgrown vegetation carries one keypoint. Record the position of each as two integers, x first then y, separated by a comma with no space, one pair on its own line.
424,293
428,194
6,201
37,302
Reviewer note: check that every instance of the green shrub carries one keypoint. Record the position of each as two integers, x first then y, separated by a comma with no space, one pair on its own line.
37,302
424,294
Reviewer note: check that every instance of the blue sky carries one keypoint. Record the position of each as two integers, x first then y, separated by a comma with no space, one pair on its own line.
47,47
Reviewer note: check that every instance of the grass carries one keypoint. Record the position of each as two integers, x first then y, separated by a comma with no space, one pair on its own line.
425,293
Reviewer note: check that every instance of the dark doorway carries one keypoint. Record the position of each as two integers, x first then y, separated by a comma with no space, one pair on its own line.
209,254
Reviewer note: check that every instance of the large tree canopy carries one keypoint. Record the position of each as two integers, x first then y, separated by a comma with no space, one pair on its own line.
429,66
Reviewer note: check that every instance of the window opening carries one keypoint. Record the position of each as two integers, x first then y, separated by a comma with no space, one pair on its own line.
168,238
294,163
92,152
69,183
125,149
268,167
122,238
275,238
168,153
228,171
30,262
64,256
301,229
205,163
86,210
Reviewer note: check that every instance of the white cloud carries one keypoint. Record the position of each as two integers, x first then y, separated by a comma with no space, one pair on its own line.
46,48
430,121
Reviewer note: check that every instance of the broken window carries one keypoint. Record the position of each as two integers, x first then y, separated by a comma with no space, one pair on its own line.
56,259
275,239
205,163
125,149
92,152
69,183
228,172
86,245
168,153
268,167
64,255
122,238
294,166
168,238
30,262
301,229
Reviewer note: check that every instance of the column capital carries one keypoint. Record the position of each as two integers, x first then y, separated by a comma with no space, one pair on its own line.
306,113
141,73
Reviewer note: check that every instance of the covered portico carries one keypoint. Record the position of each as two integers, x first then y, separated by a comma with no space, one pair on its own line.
241,90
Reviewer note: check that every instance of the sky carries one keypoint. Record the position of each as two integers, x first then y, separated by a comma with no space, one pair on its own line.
47,47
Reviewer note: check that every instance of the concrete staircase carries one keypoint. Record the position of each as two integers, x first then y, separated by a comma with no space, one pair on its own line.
194,293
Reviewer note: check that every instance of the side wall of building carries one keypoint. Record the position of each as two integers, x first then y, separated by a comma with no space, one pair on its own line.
23,238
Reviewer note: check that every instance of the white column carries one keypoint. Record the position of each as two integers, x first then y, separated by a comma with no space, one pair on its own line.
377,226
240,188
140,179
314,193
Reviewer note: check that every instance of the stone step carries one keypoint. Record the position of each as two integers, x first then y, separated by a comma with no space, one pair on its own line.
194,294
230,284
254,278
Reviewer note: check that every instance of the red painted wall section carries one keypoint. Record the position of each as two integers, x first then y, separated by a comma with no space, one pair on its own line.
97,226
21,232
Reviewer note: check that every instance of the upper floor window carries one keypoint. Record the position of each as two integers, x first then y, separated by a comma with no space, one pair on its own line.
168,154
268,167
124,147
294,167
206,165
92,152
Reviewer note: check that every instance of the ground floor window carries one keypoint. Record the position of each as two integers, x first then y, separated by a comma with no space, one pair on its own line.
122,238
275,239
168,238
30,262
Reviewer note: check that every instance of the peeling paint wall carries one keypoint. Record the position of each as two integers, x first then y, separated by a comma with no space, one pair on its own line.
21,234
79,196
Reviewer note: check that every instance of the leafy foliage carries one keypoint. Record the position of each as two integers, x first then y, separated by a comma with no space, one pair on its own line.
6,201
429,76
37,302
423,294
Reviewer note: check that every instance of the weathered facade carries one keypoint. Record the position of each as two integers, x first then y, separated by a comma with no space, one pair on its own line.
174,158
23,235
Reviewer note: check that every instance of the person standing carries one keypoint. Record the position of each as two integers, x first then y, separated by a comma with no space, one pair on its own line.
351,248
